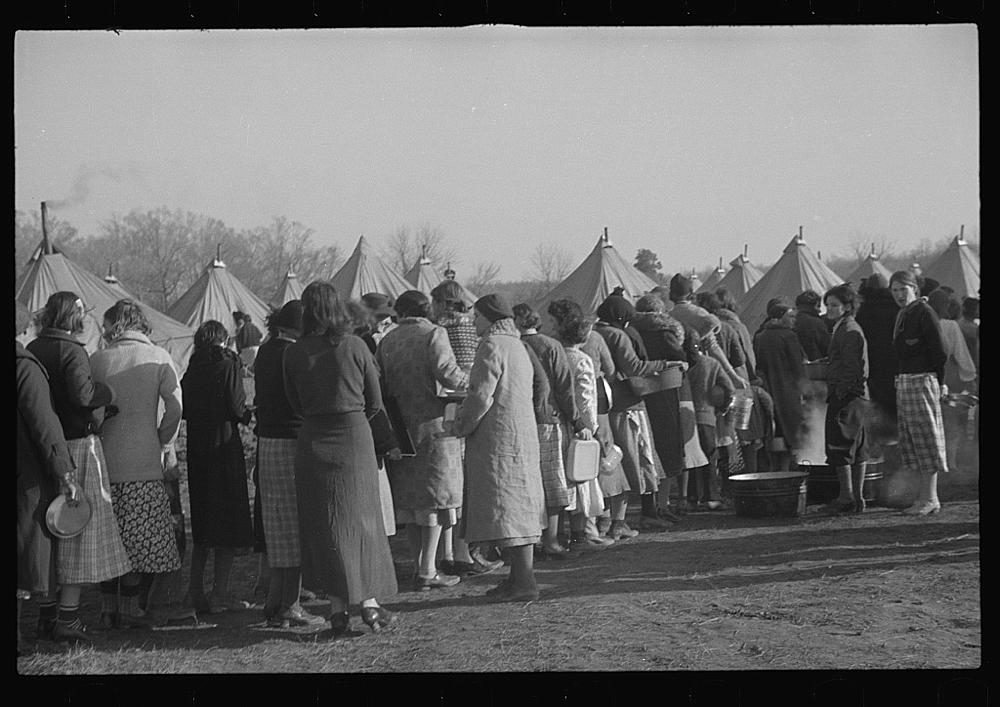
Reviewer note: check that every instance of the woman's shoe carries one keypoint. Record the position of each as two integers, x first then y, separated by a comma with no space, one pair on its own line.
620,531
438,581
204,605
665,514
925,508
76,631
860,505
653,524
376,617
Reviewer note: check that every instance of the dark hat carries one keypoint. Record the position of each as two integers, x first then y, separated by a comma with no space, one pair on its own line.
494,307
289,317
22,318
778,310
380,305
680,286
238,315
928,285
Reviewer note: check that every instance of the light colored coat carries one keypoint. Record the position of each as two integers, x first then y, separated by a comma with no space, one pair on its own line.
413,358
148,396
503,485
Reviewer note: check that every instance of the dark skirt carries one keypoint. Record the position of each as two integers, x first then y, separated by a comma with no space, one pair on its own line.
663,408
845,432
344,546
36,549
217,487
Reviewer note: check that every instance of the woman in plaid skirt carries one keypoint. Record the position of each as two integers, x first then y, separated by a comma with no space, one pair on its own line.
919,388
96,554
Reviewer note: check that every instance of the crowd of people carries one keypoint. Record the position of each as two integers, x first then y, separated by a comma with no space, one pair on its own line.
486,403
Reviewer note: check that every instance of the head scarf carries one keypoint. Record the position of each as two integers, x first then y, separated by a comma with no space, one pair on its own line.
616,311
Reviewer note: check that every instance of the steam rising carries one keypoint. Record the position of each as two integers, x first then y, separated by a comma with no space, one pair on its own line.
84,183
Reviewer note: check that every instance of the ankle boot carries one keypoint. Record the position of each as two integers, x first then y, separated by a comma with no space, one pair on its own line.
858,481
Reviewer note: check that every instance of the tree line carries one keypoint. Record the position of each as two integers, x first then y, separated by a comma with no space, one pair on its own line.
158,254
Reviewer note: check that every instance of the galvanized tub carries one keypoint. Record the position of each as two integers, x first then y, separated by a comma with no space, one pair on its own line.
773,494
824,486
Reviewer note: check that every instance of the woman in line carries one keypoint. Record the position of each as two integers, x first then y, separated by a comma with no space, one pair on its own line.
847,401
44,470
415,358
277,439
331,380
627,417
452,313
96,554
136,442
558,421
876,315
917,340
214,407
781,367
504,500
663,338
575,331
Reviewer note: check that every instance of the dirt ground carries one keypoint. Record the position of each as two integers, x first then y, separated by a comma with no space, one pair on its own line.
716,593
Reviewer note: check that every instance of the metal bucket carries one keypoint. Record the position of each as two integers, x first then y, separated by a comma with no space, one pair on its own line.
740,411
824,486
775,494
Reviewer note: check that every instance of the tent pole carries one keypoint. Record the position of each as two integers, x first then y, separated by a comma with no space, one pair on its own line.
46,244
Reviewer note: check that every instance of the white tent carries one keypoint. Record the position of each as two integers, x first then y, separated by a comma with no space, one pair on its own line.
365,272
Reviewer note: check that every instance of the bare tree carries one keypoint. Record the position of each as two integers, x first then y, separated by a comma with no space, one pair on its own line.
862,245
484,277
551,264
406,244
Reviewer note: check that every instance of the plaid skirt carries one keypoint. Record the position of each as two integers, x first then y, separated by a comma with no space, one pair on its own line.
552,443
921,427
279,505
146,526
632,433
97,554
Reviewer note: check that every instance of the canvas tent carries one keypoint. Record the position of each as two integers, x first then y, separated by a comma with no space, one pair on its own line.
741,276
289,289
365,272
957,267
868,267
797,270
600,273
424,276
713,280
50,272
216,294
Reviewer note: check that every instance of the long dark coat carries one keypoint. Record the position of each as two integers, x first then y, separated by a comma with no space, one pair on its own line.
877,317
42,460
214,405
781,366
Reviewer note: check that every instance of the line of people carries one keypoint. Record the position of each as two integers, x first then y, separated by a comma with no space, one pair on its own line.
491,403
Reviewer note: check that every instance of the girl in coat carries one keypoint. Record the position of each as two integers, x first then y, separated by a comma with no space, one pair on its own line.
504,500
214,407
96,554
135,444
847,401
44,470
917,340
331,380
781,367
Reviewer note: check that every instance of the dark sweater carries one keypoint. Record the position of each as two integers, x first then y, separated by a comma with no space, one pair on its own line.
917,340
275,417
814,336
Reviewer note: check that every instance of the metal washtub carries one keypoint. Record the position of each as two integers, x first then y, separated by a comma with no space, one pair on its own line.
774,494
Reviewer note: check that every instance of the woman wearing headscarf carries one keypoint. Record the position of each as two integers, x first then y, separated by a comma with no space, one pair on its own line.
214,407
45,469
504,499
558,421
136,443
414,359
919,387
781,367
663,339
332,381
278,427
627,416
877,317
96,554
847,398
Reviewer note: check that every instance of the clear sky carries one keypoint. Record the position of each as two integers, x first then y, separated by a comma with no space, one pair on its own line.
688,141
